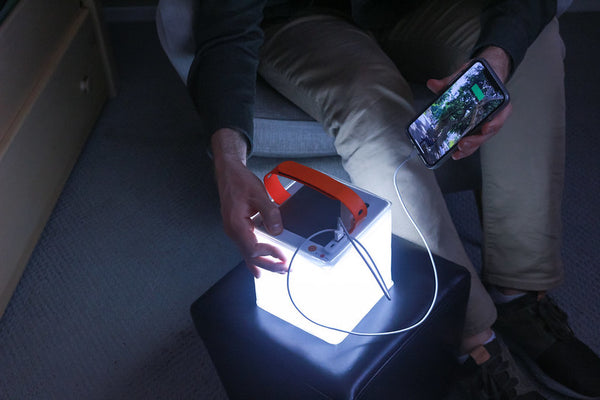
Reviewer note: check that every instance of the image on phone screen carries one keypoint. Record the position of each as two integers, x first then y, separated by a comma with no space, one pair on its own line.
461,108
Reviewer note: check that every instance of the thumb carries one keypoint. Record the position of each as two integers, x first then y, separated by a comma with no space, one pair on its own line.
271,218
437,85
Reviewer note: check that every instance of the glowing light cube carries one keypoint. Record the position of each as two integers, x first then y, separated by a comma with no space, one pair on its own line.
329,281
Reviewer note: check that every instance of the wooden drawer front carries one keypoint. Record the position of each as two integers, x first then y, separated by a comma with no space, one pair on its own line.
45,142
28,38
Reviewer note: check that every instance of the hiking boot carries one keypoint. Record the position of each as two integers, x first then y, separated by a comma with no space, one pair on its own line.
536,330
490,373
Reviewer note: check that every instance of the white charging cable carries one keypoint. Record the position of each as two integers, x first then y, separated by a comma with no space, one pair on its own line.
374,269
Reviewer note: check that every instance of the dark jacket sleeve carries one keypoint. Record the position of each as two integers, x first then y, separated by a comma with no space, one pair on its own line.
514,25
222,78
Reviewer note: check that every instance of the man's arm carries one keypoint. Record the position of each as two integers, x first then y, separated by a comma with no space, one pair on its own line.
242,195
222,83
222,78
513,25
508,28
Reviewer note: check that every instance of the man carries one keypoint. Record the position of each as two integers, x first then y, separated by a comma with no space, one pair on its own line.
347,64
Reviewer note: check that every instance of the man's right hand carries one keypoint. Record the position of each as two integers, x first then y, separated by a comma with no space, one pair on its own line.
242,195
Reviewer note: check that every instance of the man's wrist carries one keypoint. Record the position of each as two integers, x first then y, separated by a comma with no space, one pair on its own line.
499,59
229,145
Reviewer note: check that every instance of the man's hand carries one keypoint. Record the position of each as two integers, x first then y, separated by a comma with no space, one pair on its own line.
500,61
242,195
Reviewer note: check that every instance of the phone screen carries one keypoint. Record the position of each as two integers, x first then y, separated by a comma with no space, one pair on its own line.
472,98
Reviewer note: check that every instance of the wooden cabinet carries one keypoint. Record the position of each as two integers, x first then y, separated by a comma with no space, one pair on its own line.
55,76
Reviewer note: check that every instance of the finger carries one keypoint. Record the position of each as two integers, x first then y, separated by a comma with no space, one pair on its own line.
457,155
266,249
245,239
241,231
260,255
254,270
256,265
269,264
469,145
270,215
269,257
493,126
437,86
460,154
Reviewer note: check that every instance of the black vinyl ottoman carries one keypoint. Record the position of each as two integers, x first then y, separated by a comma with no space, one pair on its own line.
259,356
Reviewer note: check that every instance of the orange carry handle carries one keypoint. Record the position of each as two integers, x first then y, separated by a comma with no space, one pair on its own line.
317,181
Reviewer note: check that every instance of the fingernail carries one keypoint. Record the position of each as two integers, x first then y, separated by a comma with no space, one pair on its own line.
465,146
275,228
283,268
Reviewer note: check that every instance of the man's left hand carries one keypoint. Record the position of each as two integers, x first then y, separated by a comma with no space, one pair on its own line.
500,62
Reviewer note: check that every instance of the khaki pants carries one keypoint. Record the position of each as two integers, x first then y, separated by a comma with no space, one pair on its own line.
355,83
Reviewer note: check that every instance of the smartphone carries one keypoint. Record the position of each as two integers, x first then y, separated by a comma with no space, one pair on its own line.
472,98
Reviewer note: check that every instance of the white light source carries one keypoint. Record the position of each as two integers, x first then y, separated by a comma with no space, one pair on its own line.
329,280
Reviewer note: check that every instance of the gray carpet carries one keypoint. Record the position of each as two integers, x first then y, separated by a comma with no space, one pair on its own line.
102,309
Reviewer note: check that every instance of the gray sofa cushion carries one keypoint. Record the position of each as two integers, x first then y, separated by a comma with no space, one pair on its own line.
283,130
